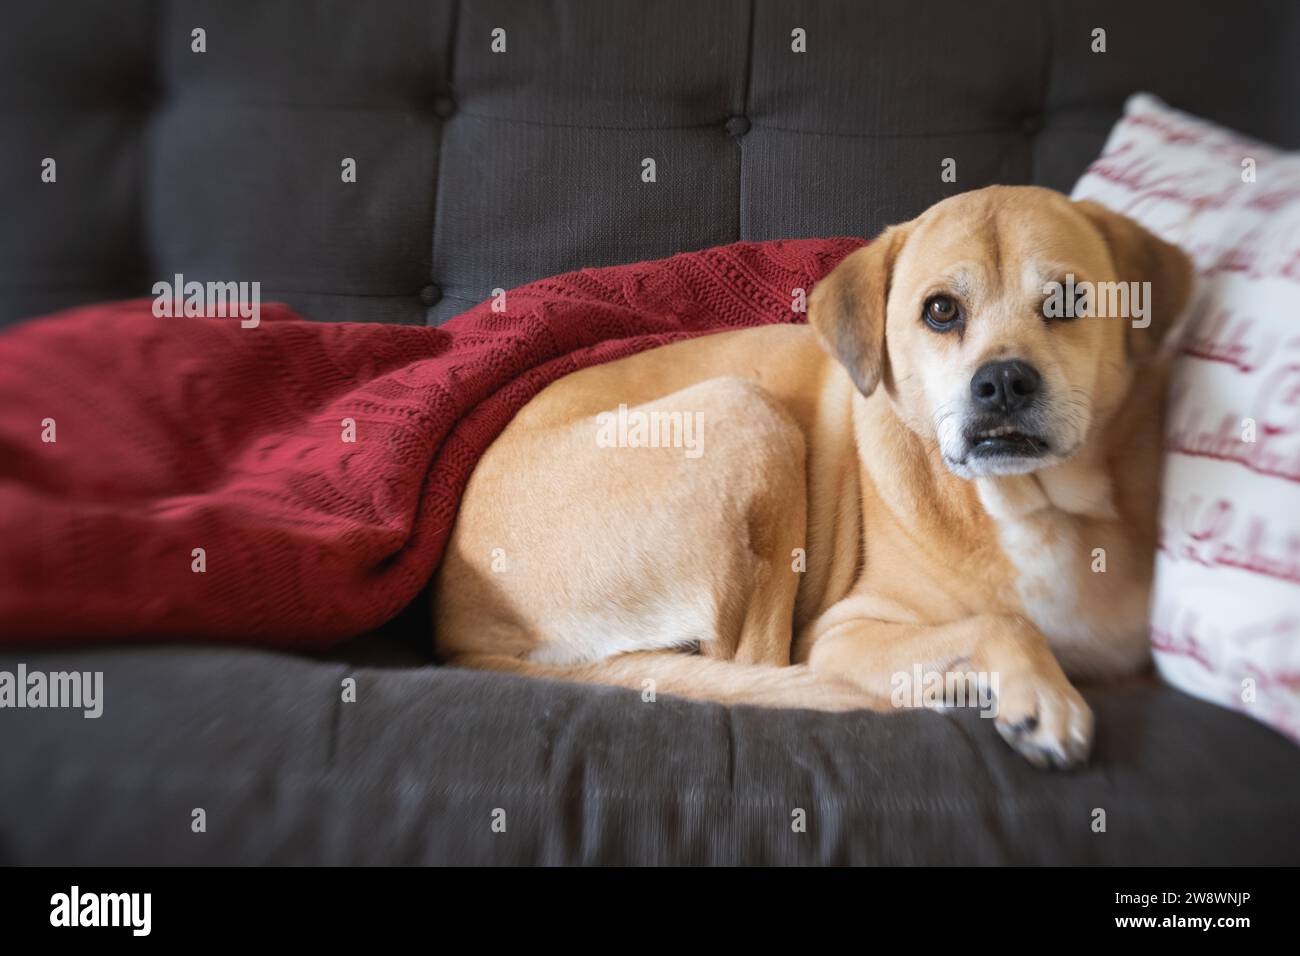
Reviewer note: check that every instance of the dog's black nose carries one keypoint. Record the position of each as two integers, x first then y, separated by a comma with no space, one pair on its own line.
1005,386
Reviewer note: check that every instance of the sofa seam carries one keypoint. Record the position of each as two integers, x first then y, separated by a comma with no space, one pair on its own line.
453,41
744,110
142,776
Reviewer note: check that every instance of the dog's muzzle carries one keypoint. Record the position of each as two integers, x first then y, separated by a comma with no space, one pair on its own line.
1006,419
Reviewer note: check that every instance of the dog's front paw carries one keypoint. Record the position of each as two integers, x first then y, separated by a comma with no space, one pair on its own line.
1047,722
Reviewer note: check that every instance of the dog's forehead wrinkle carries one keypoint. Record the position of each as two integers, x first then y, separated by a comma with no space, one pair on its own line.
964,277
1038,272
961,283
1000,238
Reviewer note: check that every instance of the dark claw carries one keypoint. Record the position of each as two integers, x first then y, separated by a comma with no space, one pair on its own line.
1026,726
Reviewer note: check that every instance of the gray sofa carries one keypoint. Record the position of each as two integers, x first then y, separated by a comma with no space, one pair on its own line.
478,170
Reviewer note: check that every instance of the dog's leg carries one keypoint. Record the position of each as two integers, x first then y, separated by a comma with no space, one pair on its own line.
1039,713
774,529
609,546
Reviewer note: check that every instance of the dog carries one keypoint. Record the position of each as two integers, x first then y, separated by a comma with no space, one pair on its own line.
933,475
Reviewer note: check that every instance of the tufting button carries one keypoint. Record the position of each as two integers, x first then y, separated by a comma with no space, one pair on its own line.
444,106
1032,125
738,125
430,294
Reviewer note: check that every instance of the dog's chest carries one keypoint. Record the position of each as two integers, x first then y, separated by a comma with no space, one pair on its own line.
1094,620
1045,554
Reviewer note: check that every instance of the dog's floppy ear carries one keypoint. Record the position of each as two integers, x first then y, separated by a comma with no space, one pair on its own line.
847,308
1142,256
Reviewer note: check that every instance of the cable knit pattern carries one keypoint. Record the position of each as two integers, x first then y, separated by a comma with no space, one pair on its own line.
174,434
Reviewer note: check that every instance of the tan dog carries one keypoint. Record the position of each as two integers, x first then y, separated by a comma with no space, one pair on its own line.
977,494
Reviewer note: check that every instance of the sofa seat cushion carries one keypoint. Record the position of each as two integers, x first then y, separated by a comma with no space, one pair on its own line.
421,764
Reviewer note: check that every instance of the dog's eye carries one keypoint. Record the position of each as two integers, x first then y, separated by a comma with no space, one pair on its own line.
1064,300
941,313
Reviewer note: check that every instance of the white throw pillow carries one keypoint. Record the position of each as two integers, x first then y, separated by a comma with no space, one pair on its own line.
1226,612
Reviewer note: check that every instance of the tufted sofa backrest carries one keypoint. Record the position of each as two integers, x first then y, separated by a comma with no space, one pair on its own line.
479,168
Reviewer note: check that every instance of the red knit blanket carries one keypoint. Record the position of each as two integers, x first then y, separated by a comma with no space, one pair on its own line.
188,478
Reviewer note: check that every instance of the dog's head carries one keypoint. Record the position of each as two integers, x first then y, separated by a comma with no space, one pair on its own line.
1005,324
